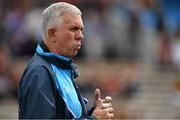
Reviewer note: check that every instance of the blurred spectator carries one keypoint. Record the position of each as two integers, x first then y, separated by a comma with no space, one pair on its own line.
94,35
18,39
125,85
32,24
118,21
164,48
111,85
129,78
148,21
3,33
6,84
171,16
176,50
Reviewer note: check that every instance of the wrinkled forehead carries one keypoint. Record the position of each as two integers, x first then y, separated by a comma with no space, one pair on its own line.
72,19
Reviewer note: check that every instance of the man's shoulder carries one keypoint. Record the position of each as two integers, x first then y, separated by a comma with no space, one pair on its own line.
37,68
37,60
37,65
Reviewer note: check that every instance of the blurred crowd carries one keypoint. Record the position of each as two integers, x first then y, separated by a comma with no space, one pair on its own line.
145,31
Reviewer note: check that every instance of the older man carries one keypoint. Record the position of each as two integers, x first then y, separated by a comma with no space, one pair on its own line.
47,87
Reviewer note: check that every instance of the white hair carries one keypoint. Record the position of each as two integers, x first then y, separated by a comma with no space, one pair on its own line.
51,16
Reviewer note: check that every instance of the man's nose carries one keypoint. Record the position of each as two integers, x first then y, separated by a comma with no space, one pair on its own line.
80,35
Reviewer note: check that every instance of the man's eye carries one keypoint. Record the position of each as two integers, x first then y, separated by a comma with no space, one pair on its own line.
74,29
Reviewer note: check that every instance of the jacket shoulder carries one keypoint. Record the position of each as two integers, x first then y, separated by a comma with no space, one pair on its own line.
37,91
37,68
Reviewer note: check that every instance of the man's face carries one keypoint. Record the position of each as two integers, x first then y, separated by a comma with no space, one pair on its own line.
68,36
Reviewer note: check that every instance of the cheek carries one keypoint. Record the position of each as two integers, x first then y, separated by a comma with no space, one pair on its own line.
68,38
65,41
65,35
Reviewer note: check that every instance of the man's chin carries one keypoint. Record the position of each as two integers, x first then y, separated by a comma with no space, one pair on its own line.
73,55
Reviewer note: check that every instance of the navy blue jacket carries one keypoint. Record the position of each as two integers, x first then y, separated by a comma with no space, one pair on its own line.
38,96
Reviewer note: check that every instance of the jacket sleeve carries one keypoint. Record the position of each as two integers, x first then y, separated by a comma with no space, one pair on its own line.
37,94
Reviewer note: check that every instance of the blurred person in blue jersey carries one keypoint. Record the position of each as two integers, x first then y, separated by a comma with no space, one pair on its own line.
48,88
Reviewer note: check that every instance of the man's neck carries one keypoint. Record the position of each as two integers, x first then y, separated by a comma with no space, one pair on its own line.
44,46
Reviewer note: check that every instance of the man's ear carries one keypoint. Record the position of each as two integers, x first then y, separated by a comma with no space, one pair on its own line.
51,34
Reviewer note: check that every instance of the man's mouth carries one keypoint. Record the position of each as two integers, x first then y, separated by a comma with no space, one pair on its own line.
78,46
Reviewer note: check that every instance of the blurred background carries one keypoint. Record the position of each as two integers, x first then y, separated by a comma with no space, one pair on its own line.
131,51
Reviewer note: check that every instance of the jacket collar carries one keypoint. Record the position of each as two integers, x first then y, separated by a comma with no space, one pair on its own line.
57,60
